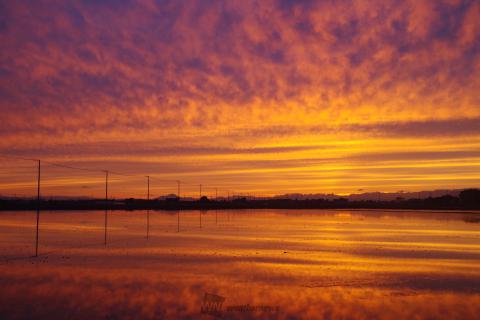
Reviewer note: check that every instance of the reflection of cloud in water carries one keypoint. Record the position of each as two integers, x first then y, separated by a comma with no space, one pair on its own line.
311,266
72,293
472,219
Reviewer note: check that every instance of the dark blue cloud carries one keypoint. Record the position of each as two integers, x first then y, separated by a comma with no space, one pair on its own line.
173,54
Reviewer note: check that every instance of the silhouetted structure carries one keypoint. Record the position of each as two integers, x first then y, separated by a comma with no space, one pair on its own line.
470,198
467,200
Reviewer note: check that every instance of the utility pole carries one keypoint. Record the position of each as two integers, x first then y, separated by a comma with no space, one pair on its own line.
178,189
148,188
216,194
106,185
200,191
38,208
106,205
148,210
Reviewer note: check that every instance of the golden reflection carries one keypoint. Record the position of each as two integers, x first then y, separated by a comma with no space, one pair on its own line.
315,264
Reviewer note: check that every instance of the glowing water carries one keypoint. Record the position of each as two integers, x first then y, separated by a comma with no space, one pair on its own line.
305,264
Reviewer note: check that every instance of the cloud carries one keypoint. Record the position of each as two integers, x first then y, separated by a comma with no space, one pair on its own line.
237,74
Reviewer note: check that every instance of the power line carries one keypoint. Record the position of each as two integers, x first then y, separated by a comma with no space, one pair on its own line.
17,158
71,167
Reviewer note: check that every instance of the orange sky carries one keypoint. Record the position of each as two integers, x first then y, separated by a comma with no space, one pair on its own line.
264,97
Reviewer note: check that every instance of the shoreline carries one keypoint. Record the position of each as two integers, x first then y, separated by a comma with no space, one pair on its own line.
166,205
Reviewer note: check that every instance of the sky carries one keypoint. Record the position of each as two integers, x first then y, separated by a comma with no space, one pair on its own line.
259,97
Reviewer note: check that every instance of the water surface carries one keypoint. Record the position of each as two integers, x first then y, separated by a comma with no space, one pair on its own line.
265,264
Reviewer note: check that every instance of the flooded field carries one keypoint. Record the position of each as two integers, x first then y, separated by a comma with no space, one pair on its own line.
250,264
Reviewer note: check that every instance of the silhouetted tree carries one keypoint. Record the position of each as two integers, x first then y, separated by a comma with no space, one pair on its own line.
204,199
470,197
446,201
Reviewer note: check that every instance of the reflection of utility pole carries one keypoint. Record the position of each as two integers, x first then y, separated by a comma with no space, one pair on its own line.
148,223
216,205
38,208
178,221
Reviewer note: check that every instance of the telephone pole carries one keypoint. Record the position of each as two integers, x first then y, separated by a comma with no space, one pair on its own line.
148,187
106,205
178,189
148,210
38,208
106,185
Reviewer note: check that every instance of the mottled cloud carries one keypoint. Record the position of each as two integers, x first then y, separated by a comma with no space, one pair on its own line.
245,75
